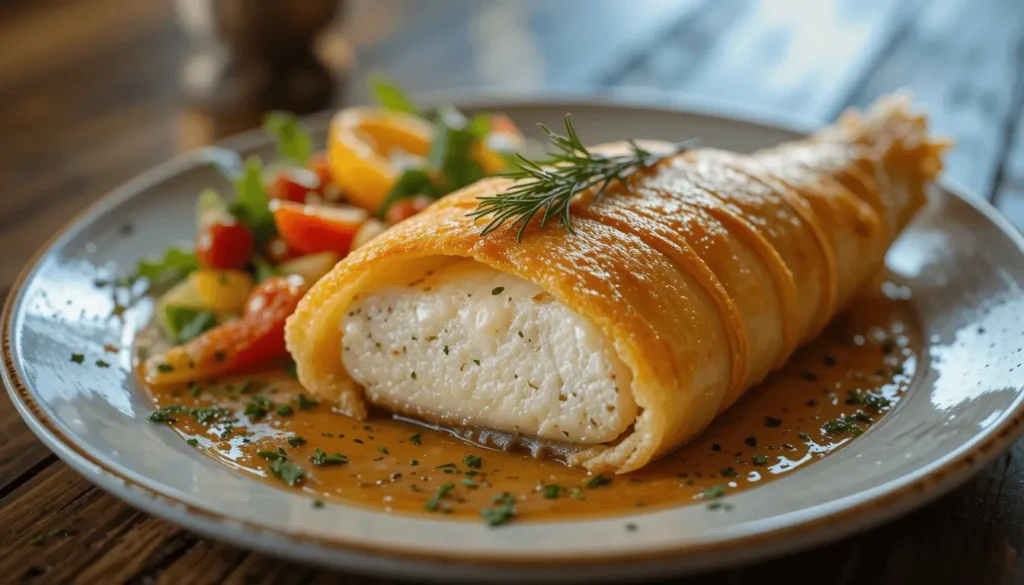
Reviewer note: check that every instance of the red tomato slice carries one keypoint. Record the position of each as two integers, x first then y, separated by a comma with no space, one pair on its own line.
250,343
225,245
309,229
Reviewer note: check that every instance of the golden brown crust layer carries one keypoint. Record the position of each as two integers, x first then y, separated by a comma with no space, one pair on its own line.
704,272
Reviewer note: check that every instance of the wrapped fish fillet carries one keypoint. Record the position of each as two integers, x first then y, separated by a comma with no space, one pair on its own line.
677,291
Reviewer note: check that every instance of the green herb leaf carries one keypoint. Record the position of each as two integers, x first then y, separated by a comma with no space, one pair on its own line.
713,492
78,358
287,471
550,492
435,502
472,461
293,143
185,323
251,201
415,439
305,403
174,265
383,449
270,455
451,152
258,407
760,460
295,441
505,511
598,481
166,414
193,441
410,183
390,96
283,410
318,504
319,457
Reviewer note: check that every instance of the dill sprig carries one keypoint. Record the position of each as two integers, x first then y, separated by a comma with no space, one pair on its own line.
548,186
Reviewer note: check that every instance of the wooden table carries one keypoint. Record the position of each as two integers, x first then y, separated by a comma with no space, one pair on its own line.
92,93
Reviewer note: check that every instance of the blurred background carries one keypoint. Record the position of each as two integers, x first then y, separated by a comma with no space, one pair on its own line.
94,91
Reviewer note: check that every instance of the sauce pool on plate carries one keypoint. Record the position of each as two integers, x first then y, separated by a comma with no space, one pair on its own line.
832,390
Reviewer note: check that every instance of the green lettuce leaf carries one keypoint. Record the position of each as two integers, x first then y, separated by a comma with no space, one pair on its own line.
293,143
389,96
251,201
185,323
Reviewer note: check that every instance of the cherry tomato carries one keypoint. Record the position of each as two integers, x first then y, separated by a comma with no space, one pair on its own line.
309,229
226,244
284,186
250,343
406,208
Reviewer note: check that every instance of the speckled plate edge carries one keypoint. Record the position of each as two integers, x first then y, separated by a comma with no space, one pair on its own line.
869,510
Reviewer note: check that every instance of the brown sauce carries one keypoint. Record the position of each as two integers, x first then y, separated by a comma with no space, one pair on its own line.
833,389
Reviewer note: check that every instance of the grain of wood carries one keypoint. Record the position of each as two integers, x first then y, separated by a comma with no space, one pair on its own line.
962,60
802,57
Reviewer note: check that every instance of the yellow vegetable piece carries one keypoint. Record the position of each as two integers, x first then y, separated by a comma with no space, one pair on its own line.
362,143
222,291
310,267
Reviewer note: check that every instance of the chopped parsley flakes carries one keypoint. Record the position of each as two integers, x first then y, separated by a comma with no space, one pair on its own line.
598,481
78,358
287,471
435,502
472,461
501,514
321,458
295,441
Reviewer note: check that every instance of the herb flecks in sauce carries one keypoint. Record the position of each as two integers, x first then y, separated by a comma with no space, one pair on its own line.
420,461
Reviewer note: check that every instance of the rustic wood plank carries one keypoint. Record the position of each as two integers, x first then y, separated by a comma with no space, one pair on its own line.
802,57
22,456
961,59
527,44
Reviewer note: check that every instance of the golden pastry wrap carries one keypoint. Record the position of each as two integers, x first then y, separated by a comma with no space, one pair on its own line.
704,273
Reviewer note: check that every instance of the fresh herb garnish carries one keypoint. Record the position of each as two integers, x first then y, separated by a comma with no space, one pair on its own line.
715,491
295,441
415,439
251,201
292,142
843,424
720,506
166,414
728,472
270,455
435,502
78,358
470,483
598,481
552,491
258,407
760,460
283,410
164,368
497,291
472,461
319,457
175,264
446,466
102,364
504,512
193,442
305,403
389,96
549,186
867,398
185,324
318,504
383,449
287,471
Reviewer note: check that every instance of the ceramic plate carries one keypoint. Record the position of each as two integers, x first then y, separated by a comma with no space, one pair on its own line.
961,261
